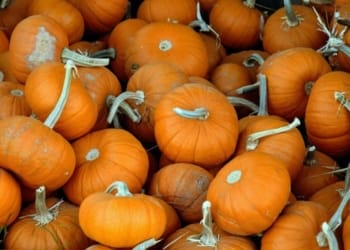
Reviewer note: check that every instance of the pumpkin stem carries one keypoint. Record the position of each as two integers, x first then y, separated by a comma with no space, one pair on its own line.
17,92
120,187
2,76
253,139
291,18
341,98
104,53
4,3
239,101
335,41
82,60
249,3
196,114
146,244
119,102
43,215
206,238
248,88
55,114
307,2
253,60
310,159
203,26
330,239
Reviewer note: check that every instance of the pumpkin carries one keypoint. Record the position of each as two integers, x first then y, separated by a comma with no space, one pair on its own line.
139,217
195,123
167,42
226,18
245,180
318,171
327,125
154,80
34,152
288,84
35,39
112,154
11,201
296,228
287,144
184,186
43,88
292,26
101,17
12,100
4,41
5,68
128,28
181,11
48,223
206,235
64,13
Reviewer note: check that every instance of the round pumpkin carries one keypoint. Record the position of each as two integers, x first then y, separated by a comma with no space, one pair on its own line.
253,182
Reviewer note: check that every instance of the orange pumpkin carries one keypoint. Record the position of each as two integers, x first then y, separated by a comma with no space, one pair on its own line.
12,100
4,41
181,11
225,16
328,125
254,209
167,42
184,186
43,88
64,13
11,201
5,68
195,123
48,223
112,154
138,217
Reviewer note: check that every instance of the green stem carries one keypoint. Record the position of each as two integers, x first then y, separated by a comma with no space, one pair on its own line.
253,60
104,53
263,110
55,114
4,3
341,98
146,244
292,19
310,156
82,60
121,189
239,101
248,88
196,114
249,3
253,139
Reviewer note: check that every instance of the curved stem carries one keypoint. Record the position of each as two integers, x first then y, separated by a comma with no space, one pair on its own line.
55,114
330,239
206,238
253,139
82,60
104,53
146,244
119,102
248,88
263,110
291,18
341,98
253,60
196,114
120,187
239,101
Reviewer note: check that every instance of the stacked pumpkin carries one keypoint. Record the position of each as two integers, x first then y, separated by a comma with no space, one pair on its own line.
126,127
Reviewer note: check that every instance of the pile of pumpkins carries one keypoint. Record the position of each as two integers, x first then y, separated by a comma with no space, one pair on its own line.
187,124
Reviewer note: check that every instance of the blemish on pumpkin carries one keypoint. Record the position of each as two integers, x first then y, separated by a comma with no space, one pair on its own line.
234,176
44,49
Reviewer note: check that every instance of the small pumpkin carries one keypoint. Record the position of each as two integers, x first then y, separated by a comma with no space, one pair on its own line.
138,217
112,154
11,201
47,223
266,184
4,41
200,116
167,42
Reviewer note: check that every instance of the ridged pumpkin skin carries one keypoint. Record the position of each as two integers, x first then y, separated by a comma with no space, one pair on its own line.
11,198
112,154
122,221
208,141
43,88
36,154
296,227
163,41
35,40
248,193
61,233
327,122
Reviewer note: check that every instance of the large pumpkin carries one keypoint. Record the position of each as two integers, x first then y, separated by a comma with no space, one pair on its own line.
249,192
167,42
196,123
